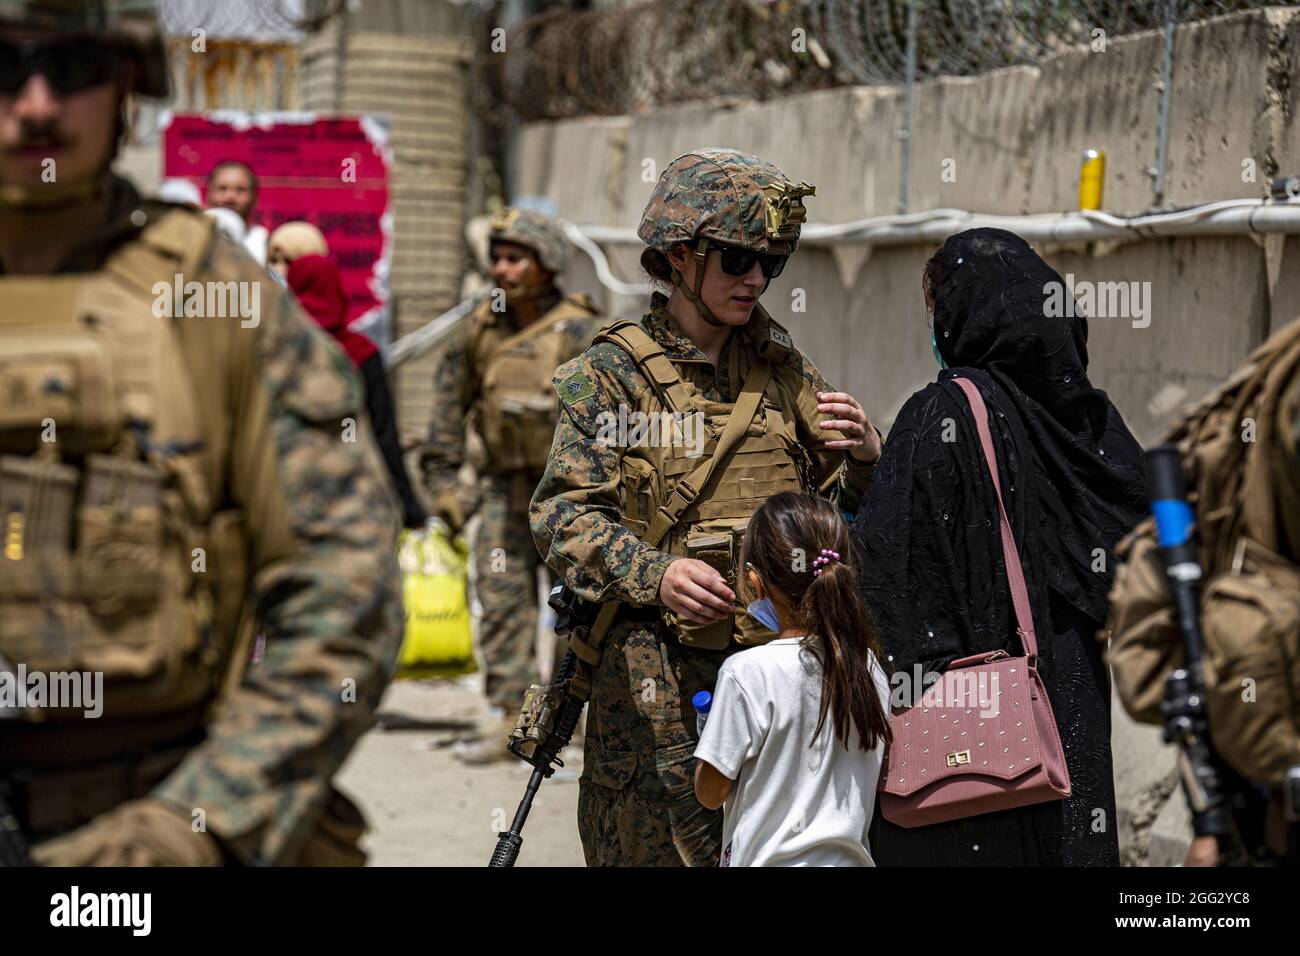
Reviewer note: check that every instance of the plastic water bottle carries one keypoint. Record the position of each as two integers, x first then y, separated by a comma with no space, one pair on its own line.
702,701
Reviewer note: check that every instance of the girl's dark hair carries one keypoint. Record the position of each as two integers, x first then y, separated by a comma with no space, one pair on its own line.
782,542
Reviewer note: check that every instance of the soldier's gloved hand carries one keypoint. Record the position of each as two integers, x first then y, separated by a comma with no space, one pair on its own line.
696,592
144,832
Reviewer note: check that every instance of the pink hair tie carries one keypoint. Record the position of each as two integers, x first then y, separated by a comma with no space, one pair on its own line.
826,556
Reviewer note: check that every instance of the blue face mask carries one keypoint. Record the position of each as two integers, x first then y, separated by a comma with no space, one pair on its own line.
763,612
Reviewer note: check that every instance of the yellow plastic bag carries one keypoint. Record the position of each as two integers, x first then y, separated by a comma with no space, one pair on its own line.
438,640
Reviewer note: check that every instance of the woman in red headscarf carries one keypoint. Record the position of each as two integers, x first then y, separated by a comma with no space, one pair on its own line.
316,281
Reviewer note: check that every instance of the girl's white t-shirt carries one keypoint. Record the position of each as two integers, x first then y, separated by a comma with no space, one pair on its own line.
795,801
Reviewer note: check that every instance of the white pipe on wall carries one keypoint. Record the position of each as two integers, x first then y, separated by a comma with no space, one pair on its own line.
1228,217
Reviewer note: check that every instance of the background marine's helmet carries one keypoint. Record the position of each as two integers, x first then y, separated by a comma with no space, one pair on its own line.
538,232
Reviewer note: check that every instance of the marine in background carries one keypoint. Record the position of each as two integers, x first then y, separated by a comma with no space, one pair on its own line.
494,378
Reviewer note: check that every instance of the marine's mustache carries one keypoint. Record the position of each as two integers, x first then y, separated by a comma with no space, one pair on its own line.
40,137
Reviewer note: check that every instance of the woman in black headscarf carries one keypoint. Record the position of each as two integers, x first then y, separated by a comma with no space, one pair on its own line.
1073,483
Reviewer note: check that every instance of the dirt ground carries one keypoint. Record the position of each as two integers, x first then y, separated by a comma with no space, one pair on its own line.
426,808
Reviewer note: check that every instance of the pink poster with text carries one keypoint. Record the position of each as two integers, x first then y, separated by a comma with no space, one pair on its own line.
331,171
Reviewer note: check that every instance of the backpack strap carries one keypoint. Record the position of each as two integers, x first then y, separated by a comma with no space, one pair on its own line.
651,359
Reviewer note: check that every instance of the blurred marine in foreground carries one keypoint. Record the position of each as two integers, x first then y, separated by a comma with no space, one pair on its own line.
180,468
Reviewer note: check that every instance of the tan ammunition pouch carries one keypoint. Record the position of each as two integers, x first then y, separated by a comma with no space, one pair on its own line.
764,460
113,562
519,405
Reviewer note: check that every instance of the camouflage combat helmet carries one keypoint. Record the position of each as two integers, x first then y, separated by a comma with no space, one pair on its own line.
722,196
131,24
539,233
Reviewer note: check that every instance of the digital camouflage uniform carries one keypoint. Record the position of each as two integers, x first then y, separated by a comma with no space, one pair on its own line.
206,482
505,561
637,803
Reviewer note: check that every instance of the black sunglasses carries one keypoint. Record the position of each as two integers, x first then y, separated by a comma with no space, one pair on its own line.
737,262
69,66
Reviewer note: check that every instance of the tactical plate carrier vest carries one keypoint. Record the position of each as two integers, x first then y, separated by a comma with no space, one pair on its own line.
112,560
519,406
766,460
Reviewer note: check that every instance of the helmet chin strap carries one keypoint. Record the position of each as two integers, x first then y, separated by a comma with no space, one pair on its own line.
700,254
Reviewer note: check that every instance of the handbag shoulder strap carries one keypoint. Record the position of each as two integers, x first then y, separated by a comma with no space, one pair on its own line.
1010,553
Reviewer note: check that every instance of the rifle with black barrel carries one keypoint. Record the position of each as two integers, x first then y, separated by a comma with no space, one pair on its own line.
1211,788
549,718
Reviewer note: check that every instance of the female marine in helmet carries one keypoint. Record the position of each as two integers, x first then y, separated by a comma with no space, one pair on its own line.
636,507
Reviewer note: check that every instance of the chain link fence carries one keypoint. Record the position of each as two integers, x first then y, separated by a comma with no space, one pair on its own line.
633,58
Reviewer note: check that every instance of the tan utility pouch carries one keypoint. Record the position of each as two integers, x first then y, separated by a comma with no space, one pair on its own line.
59,382
133,561
116,606
1250,616
519,425
717,551
1250,619
1145,644
721,550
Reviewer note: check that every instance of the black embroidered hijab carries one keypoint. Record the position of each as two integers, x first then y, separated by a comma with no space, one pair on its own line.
1072,473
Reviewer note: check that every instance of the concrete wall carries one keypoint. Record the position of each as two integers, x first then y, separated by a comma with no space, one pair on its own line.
1013,138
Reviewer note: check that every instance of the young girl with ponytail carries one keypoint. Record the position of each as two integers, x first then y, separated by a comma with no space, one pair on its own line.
797,727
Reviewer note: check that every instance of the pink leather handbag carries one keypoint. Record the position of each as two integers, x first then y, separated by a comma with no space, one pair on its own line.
983,738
